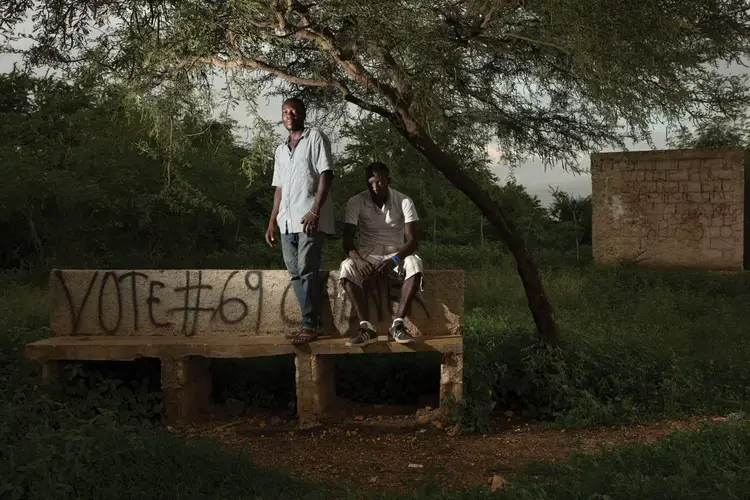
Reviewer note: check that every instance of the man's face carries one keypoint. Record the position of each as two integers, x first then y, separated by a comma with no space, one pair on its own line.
378,184
293,116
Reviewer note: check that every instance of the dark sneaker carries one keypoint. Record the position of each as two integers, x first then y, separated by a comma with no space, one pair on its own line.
400,334
363,337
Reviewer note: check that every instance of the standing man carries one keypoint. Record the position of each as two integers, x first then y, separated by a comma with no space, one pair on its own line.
386,244
302,211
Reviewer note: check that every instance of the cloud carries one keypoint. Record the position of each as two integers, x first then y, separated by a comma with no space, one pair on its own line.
495,154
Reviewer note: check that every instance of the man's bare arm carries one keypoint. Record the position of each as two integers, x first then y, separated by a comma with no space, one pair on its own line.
276,204
411,235
309,221
271,231
408,248
364,267
350,249
324,188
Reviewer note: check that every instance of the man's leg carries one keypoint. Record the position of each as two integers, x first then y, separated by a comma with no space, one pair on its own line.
351,281
413,269
408,292
357,298
289,249
310,249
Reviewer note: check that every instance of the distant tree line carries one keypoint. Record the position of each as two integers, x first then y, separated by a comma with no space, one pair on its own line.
86,182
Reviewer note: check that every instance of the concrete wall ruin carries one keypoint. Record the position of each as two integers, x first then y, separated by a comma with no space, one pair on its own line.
674,208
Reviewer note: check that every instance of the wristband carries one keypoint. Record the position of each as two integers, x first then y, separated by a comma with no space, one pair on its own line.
395,259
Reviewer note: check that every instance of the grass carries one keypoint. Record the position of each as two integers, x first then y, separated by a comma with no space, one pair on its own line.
635,344
708,463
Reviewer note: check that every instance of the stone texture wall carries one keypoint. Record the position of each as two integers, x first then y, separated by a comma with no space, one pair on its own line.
675,208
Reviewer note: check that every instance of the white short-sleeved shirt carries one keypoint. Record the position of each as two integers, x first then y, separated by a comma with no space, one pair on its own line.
380,227
297,173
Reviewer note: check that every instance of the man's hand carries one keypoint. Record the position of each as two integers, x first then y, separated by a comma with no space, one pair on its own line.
364,267
385,266
271,233
309,223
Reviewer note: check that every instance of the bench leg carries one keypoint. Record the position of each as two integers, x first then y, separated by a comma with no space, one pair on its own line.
451,381
51,371
186,385
316,388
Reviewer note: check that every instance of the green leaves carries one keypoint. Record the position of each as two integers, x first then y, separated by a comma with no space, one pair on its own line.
258,164
715,132
106,174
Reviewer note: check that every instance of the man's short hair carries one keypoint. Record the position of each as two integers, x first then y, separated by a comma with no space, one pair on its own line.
374,168
298,102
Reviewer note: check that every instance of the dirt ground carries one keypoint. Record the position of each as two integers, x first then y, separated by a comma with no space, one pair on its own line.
389,449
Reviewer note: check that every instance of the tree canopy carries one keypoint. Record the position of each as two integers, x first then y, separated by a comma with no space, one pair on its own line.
541,77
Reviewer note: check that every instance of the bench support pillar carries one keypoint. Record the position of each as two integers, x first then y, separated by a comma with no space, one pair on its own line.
316,388
451,381
186,384
51,371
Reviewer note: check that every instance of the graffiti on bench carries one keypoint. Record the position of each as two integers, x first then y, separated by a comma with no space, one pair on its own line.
191,302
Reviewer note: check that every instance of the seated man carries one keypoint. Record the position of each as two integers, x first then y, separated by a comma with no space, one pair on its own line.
385,245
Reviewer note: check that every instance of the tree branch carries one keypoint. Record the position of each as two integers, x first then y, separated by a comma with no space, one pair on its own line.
280,14
538,42
367,106
246,63
346,94
403,86
352,67
484,97
487,18
262,24
309,31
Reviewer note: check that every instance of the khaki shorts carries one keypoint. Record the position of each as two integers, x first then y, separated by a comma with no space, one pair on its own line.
410,266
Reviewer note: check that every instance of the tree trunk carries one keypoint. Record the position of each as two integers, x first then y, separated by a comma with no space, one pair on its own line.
28,210
541,309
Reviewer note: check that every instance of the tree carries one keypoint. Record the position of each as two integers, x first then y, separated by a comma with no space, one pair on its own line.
572,214
543,77
715,132
84,183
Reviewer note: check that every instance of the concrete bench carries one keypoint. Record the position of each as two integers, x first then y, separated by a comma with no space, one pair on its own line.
186,317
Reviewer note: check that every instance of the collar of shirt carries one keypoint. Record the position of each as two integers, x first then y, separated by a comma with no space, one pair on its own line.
386,204
305,131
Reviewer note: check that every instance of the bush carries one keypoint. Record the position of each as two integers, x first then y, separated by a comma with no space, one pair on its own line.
634,344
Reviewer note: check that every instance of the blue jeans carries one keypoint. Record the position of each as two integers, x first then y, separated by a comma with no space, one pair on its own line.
302,256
